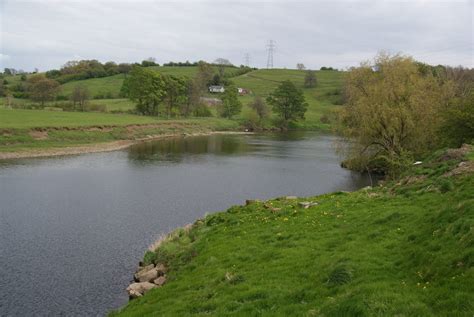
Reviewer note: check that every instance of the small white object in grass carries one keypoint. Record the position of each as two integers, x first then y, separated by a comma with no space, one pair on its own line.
417,163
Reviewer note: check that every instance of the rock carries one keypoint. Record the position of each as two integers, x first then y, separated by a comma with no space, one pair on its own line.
307,204
160,281
145,268
146,275
250,201
161,269
135,290
418,163
290,197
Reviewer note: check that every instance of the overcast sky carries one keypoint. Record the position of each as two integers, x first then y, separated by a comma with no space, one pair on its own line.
45,34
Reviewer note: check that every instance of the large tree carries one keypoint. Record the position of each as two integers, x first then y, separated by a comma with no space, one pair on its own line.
288,103
231,104
175,93
146,87
42,89
392,112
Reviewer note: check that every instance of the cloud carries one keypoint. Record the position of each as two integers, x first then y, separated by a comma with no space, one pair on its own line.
316,33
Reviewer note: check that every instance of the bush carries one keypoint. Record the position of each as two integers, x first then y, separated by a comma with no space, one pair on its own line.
202,111
93,107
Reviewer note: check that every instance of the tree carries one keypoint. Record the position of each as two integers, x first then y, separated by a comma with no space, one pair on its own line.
288,102
2,89
80,95
310,79
192,99
260,107
392,113
175,92
42,89
231,104
124,68
222,61
458,121
300,66
146,88
204,75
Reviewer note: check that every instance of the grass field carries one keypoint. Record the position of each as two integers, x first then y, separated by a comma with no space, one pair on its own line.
22,130
404,249
25,119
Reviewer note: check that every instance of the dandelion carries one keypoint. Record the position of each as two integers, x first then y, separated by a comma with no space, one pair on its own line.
285,219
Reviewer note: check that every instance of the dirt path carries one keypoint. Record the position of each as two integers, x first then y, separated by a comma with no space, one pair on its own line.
99,147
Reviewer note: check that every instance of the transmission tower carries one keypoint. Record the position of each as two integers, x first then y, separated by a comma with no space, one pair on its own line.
247,59
270,49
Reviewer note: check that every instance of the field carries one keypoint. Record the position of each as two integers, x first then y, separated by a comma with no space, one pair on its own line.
403,249
17,122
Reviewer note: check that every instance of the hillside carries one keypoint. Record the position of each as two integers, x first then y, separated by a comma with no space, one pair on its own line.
402,249
260,82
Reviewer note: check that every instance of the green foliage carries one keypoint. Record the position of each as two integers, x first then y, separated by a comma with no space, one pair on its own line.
458,125
146,88
288,103
260,107
392,112
175,89
230,105
42,89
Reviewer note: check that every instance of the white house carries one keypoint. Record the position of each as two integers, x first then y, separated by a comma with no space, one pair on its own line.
218,89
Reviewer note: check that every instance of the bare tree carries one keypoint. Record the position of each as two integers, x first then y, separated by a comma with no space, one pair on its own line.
310,79
300,66
80,95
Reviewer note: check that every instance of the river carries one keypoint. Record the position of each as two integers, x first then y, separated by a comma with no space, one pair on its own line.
73,228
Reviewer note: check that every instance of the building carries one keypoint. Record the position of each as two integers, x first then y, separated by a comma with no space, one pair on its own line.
217,89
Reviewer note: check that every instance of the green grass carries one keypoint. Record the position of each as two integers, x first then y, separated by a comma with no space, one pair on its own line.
24,119
405,249
19,128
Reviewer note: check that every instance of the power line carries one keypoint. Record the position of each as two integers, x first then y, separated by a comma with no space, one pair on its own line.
270,49
247,59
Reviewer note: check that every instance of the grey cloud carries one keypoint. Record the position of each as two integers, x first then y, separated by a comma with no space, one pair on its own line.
335,33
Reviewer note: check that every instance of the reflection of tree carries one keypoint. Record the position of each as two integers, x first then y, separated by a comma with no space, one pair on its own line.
176,149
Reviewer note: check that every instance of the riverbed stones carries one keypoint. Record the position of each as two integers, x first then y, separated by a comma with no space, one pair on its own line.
306,204
135,290
147,274
160,281
161,269
251,201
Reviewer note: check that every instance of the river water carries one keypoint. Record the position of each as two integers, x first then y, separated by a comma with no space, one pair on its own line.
72,229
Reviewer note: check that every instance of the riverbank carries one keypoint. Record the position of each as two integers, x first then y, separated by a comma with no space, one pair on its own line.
102,147
404,248
20,139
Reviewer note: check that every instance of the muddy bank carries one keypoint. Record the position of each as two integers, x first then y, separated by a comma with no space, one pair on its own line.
100,147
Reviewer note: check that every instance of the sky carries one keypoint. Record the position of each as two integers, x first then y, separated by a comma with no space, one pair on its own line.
341,33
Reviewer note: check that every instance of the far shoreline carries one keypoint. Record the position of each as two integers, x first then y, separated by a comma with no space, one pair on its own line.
102,147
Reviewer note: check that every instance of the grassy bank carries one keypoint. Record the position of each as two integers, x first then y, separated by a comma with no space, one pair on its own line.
402,249
23,130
